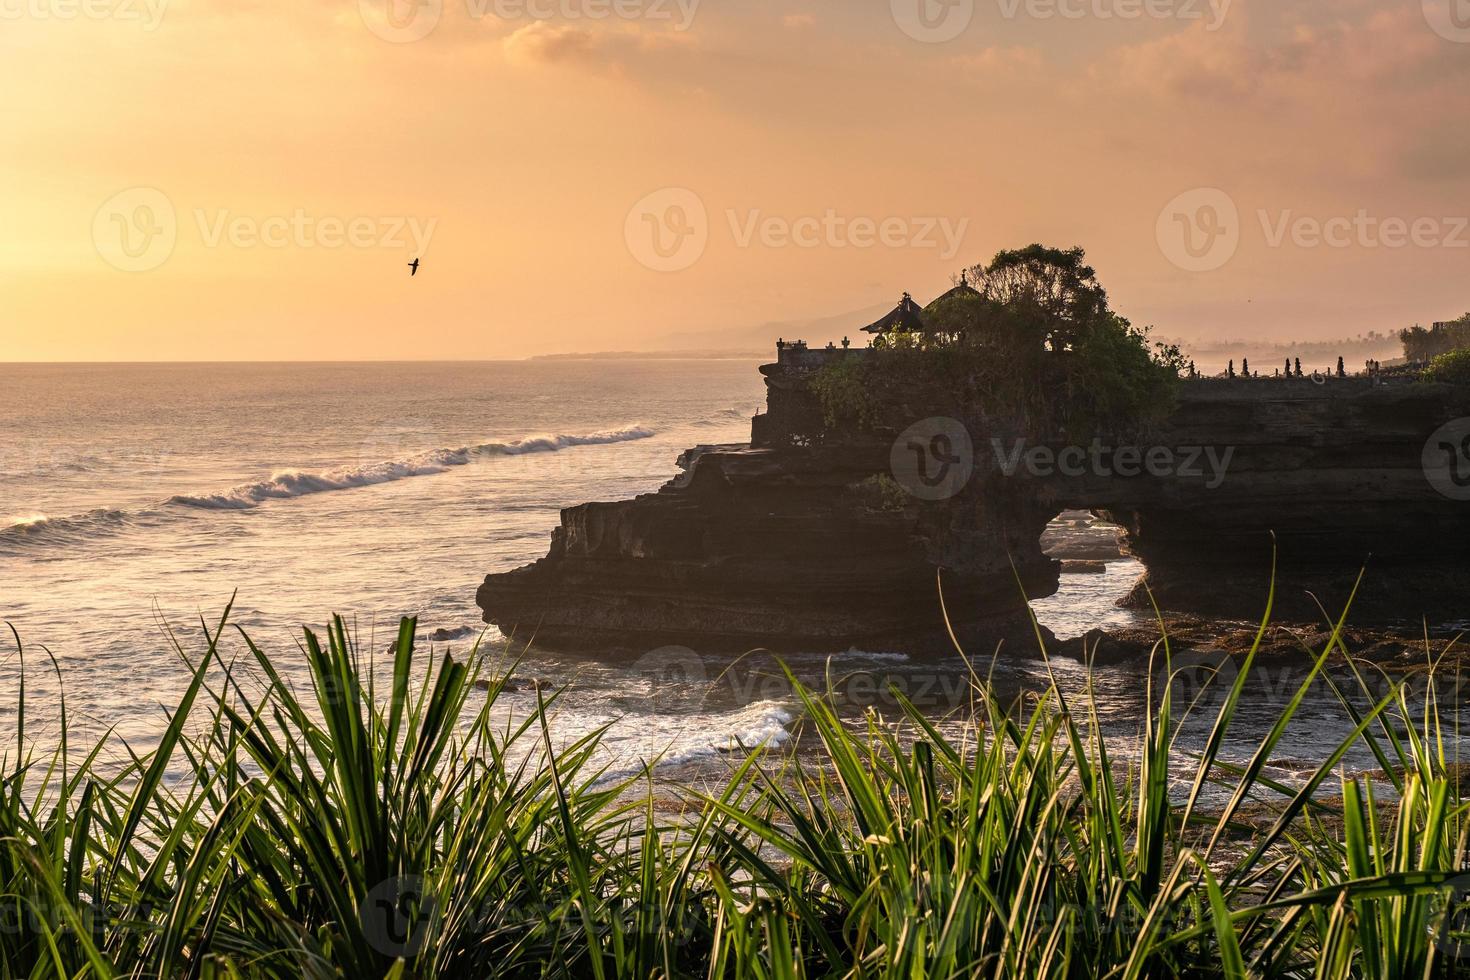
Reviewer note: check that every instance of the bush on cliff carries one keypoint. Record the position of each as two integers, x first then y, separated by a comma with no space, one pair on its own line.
1451,368
1423,345
1035,344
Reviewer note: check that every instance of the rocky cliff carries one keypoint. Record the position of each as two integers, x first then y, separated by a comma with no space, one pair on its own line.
806,540
778,548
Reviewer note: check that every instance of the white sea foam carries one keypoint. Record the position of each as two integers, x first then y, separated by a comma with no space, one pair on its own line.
295,483
701,736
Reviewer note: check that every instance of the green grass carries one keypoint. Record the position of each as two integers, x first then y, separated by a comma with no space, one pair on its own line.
357,831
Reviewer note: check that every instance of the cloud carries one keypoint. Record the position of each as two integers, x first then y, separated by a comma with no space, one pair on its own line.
797,22
1358,90
541,43
1000,61
1289,51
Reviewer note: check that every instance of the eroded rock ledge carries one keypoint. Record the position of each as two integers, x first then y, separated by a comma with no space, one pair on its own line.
777,548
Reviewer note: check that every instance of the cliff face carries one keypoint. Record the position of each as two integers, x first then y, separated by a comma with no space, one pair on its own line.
1334,478
782,549
804,540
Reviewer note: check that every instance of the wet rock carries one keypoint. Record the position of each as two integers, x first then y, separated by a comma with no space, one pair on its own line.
512,685
1084,567
444,634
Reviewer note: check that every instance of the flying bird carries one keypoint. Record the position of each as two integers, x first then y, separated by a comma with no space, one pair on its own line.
413,268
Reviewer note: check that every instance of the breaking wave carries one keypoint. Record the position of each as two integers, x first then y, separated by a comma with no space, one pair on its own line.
729,416
550,444
26,531
294,483
704,736
39,527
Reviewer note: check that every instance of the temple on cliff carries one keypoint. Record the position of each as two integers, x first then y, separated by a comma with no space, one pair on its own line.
909,317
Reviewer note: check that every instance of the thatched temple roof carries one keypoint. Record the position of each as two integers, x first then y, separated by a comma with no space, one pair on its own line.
964,289
906,317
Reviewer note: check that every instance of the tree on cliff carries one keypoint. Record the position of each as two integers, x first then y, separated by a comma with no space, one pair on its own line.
1422,346
1033,342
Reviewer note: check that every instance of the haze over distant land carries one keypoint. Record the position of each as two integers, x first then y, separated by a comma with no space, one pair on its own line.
271,211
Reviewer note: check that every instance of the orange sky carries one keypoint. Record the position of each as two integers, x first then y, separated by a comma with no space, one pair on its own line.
237,179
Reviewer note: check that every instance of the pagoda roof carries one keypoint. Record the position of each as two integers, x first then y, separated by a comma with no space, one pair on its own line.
905,318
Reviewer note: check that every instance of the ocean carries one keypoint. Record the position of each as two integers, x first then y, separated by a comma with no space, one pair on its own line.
138,500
